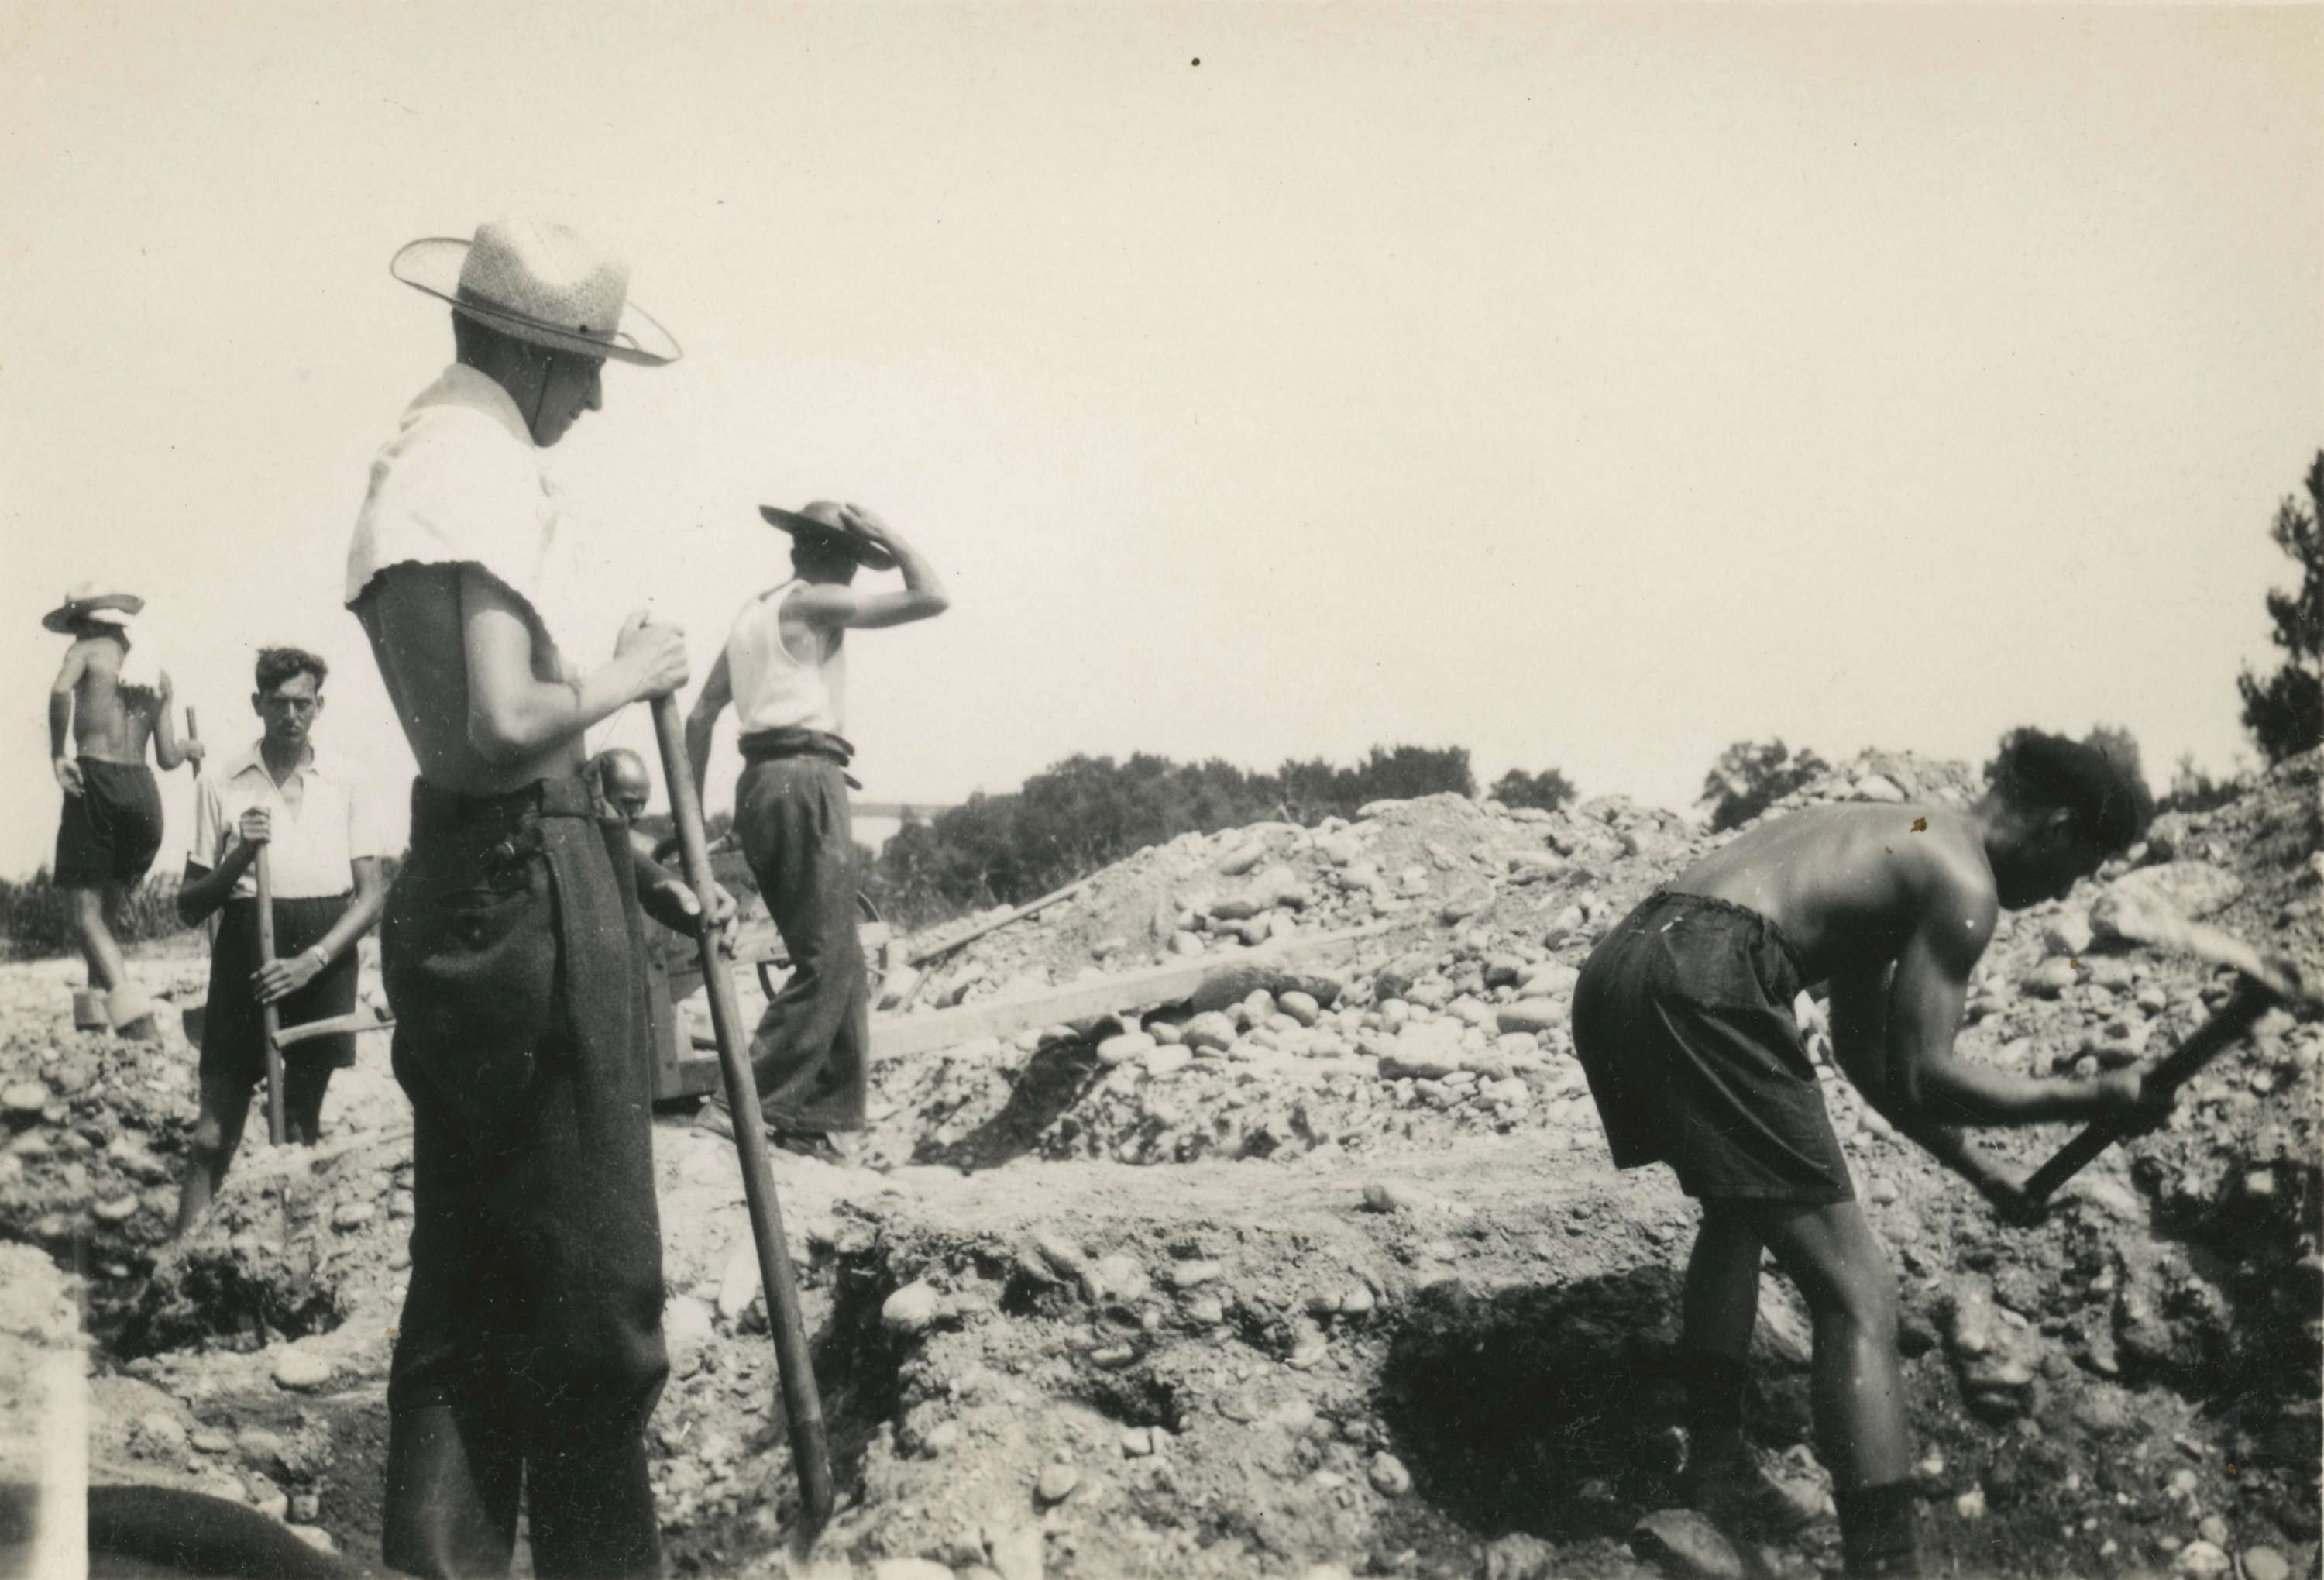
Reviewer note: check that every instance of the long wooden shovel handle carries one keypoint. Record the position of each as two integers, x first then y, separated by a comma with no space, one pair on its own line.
270,1017
193,733
2227,1026
802,1401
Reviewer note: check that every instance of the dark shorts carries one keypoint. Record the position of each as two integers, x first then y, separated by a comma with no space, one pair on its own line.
111,831
233,1044
1683,1021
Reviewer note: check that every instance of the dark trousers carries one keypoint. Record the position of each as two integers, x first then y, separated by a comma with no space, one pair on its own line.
530,1344
810,1048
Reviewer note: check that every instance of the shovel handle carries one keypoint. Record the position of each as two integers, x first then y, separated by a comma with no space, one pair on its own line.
193,733
269,1016
802,1401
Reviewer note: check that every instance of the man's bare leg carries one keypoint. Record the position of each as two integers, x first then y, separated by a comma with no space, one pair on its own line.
1857,1384
1720,1307
218,1135
106,969
302,1103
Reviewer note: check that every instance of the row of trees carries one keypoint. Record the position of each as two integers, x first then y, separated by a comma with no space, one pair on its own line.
2284,711
1085,812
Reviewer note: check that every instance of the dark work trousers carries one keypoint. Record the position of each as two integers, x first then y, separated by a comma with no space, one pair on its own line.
809,1050
530,1348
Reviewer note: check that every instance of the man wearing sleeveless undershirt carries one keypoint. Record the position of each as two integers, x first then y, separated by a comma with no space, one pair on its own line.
784,672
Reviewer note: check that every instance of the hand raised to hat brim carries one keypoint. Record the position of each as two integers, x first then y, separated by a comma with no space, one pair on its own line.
868,522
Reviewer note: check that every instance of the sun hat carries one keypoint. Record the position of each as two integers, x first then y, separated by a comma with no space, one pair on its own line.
92,600
821,520
542,282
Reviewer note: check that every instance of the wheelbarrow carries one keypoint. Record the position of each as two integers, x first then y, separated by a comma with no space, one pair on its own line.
685,1064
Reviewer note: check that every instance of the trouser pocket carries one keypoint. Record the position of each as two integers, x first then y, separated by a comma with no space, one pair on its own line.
469,960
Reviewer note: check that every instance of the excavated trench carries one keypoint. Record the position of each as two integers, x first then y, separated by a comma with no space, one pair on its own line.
1532,1400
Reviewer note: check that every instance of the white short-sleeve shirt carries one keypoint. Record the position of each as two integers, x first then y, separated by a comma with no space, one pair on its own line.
311,854
462,483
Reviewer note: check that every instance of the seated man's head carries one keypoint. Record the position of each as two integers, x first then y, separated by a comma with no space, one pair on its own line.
2057,810
821,557
289,694
552,388
621,780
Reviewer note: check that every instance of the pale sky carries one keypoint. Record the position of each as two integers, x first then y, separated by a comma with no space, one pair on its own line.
1590,387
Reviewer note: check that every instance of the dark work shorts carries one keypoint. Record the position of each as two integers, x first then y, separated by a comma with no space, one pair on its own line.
111,831
233,1042
1683,1021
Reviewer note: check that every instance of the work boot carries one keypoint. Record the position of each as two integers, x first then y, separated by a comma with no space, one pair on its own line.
714,1118
133,1015
1727,1483
88,1011
825,1146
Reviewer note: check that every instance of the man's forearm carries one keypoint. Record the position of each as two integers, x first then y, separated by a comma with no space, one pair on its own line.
546,714
60,705
355,921
1951,1147
1955,1090
700,731
198,898
169,754
920,576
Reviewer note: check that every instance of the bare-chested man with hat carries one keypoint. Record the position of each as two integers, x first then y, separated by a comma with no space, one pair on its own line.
111,697
1683,1021
529,1353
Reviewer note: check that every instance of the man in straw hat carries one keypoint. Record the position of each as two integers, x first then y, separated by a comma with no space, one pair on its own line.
529,1350
111,697
784,670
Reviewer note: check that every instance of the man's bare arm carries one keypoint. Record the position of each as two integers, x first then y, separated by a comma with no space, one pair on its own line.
923,598
169,752
60,711
1859,1039
284,977
204,889
513,714
1921,1080
702,719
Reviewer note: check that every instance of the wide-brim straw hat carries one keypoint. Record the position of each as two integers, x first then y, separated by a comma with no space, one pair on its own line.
799,524
92,601
539,281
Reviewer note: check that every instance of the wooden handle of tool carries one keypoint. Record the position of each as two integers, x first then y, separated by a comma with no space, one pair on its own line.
802,1401
193,733
2227,1026
270,1017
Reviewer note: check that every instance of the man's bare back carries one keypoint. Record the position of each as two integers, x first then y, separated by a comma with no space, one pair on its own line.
111,722
1849,885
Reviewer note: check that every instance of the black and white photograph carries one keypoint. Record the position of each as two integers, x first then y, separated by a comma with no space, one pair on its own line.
966,790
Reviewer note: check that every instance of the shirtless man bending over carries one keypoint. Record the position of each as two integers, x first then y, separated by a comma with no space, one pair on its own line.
112,696
1683,1021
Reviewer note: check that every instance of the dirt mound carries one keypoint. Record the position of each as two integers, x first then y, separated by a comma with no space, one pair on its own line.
1333,1277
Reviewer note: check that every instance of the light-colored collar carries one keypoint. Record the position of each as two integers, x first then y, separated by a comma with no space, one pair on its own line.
254,761
463,385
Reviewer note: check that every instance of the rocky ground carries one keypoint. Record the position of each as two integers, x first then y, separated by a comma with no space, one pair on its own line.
1326,1276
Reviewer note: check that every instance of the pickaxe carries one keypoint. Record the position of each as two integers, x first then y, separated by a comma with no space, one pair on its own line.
2264,981
277,1036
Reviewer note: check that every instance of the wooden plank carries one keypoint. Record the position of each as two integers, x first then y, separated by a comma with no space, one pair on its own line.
994,924
898,1035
